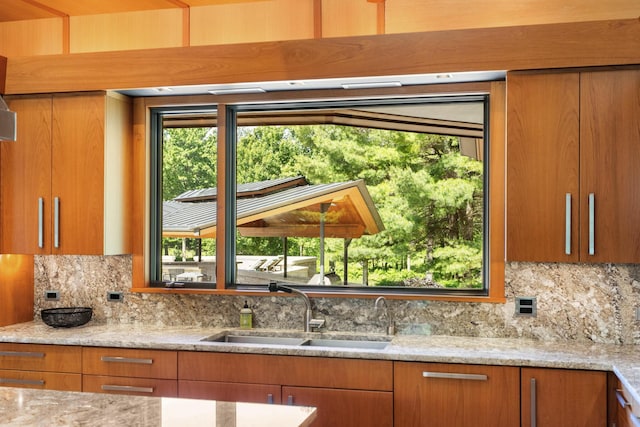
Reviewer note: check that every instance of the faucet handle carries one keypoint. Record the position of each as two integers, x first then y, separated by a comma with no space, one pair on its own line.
316,323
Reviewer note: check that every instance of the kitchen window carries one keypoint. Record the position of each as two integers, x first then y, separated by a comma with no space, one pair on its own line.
363,195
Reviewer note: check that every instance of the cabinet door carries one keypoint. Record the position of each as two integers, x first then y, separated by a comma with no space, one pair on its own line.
456,395
229,392
542,167
559,397
25,186
344,408
610,165
78,173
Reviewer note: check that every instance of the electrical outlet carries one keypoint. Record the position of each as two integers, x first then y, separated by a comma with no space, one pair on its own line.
526,306
638,314
52,295
115,296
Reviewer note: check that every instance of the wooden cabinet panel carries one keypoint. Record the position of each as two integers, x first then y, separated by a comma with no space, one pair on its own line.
230,392
65,181
77,178
542,166
123,362
130,386
35,357
16,292
344,408
290,370
25,178
456,395
41,380
609,147
559,397
573,135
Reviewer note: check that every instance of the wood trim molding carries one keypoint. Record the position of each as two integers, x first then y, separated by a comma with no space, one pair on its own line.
3,73
582,44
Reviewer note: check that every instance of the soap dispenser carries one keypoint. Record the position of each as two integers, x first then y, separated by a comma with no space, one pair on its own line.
246,317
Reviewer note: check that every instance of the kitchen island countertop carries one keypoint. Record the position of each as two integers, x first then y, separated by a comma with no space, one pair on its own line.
25,407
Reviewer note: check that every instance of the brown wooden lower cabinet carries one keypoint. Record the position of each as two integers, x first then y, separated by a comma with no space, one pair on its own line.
230,392
563,397
132,386
450,395
344,408
42,380
51,367
346,392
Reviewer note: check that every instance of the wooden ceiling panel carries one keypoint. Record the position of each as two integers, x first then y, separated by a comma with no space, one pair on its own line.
20,10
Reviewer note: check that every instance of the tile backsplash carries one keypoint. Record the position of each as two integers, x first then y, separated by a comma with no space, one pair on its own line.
580,302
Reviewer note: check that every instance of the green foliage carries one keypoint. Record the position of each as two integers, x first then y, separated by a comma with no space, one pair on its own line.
189,160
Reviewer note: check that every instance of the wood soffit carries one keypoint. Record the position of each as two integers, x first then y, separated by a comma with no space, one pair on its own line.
583,44
19,10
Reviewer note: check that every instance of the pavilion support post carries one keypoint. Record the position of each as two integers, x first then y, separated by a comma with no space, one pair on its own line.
285,249
345,262
324,207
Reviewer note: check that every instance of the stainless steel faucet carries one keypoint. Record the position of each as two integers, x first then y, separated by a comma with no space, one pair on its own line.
380,303
310,324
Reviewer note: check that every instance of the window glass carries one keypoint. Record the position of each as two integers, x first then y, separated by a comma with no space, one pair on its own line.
189,156
363,196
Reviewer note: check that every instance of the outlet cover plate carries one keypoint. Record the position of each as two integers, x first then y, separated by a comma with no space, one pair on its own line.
526,306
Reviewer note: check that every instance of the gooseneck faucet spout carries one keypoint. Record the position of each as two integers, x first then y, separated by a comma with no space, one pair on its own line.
309,322
381,303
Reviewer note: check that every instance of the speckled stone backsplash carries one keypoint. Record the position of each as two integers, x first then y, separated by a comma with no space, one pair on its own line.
575,302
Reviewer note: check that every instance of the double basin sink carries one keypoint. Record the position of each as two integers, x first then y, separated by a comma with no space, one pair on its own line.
301,339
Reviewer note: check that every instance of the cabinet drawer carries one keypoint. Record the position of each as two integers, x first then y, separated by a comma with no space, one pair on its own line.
133,386
456,395
229,392
121,362
41,380
290,370
34,357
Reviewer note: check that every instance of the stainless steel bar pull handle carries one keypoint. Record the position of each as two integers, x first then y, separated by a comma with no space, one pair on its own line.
118,359
533,403
21,382
127,388
567,224
454,376
592,224
22,354
270,398
56,222
40,222
290,400
621,400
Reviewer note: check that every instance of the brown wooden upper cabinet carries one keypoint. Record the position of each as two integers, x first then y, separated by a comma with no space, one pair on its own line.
63,183
573,156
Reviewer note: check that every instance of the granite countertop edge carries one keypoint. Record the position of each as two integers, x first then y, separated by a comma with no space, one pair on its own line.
623,360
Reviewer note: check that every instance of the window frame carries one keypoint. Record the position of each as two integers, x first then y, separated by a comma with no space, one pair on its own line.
495,190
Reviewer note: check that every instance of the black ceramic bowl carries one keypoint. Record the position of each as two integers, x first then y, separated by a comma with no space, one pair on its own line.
66,317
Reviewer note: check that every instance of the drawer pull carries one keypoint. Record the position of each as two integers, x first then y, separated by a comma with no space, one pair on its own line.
118,359
452,376
270,398
22,354
621,400
21,382
127,388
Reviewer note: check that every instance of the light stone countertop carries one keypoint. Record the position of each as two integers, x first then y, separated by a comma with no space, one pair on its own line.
26,407
623,360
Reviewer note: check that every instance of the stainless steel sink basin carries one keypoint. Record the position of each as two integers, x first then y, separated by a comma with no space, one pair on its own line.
340,343
296,339
250,339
